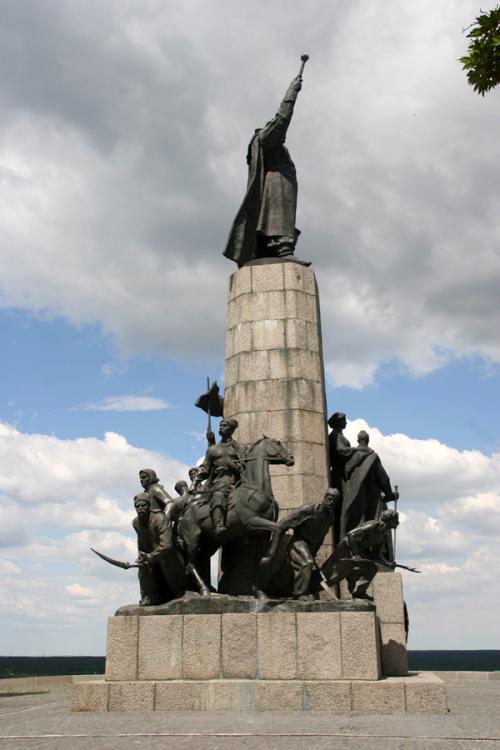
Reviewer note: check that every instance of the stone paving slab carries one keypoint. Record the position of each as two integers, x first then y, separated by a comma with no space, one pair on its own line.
45,722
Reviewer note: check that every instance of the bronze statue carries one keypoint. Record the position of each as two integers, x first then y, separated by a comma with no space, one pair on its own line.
339,448
221,468
251,507
366,487
161,569
355,558
158,496
264,226
310,524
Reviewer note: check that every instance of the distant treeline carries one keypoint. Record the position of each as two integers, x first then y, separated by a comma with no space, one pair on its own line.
454,661
35,666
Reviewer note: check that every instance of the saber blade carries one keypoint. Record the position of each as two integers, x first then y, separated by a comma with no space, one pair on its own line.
118,563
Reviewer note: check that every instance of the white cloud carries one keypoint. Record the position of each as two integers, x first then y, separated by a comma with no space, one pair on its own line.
79,591
127,403
142,167
42,470
8,568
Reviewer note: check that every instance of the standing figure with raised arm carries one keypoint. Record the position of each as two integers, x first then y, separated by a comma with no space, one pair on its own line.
264,226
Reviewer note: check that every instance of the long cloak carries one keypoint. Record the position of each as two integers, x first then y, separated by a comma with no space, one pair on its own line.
269,205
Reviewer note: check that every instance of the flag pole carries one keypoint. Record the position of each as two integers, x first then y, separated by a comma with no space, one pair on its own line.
208,410
396,492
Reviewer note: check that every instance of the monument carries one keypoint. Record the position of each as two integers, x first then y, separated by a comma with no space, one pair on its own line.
308,614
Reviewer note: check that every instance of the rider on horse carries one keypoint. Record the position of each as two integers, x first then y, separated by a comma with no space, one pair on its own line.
221,468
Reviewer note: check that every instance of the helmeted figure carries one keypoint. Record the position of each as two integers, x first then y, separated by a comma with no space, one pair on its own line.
221,470
265,223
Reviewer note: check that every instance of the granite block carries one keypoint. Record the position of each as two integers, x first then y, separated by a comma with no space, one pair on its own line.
160,648
425,693
229,695
388,593
201,646
310,286
277,646
393,654
234,310
231,371
313,337
90,696
253,365
242,338
131,696
121,650
296,334
239,645
295,363
334,697
318,643
279,695
383,697
268,277
179,695
360,647
294,276
243,281
268,334
229,348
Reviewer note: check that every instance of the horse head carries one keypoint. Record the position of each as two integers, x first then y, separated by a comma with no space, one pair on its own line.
271,450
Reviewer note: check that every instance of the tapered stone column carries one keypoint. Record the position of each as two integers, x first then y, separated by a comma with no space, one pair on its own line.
274,377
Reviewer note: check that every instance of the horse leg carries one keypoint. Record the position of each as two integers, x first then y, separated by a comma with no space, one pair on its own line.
191,535
202,586
261,525
264,525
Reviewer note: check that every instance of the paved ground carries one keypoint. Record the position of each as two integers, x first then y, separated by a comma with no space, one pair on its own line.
43,720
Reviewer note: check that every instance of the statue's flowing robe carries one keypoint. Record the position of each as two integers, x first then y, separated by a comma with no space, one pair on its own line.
269,206
364,481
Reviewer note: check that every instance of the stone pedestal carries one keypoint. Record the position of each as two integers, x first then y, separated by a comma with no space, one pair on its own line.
276,661
274,375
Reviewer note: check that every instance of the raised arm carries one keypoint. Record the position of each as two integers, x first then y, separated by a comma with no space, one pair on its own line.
273,134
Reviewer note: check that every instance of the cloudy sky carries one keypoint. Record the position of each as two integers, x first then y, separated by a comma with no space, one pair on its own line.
123,133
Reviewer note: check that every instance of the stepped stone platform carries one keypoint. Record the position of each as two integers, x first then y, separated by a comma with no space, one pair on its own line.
246,654
418,693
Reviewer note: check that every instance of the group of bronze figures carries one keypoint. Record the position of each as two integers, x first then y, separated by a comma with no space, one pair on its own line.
228,504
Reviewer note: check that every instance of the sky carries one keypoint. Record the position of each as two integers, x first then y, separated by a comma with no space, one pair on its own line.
123,133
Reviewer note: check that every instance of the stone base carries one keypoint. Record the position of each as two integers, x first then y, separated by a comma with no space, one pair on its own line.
417,693
261,646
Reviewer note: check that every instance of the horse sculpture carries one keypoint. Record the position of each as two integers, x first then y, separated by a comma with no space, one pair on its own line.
252,510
